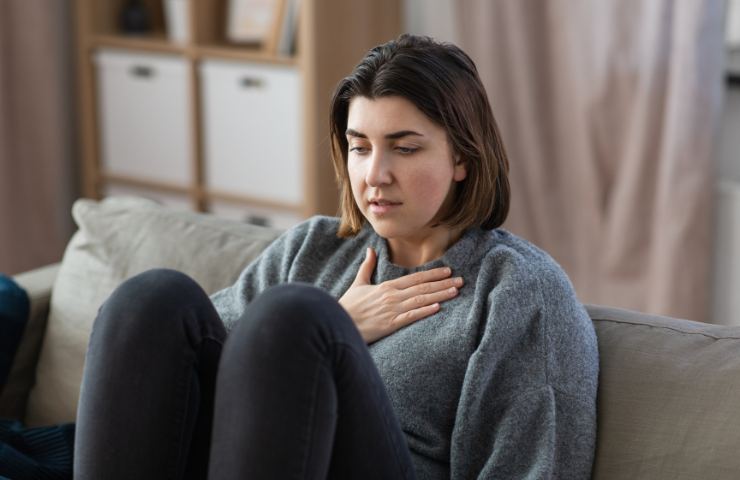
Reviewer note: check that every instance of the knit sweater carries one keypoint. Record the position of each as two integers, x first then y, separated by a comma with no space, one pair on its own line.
499,383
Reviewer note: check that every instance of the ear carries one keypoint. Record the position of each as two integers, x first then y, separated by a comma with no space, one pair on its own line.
461,169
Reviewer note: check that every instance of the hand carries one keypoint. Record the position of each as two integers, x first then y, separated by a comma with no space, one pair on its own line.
379,310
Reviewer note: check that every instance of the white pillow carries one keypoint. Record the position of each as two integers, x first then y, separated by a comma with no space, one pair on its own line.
117,239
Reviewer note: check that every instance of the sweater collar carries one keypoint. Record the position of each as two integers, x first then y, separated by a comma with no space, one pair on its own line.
459,255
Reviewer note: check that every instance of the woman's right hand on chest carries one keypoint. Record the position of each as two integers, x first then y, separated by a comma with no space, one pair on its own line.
379,310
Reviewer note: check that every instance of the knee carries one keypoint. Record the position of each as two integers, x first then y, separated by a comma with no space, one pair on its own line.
293,311
148,299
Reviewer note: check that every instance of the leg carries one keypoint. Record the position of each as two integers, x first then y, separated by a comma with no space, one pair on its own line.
148,384
298,396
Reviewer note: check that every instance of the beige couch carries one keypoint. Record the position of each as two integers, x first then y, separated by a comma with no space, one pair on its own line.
669,391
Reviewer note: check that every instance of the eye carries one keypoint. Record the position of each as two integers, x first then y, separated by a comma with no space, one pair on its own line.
358,150
406,150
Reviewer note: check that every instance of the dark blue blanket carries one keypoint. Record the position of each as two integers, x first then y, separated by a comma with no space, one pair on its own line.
27,453
36,453
14,310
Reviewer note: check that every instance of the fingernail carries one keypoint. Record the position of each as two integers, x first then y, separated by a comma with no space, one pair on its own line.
453,290
448,271
458,281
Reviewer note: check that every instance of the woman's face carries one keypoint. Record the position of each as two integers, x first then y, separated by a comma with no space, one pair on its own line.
401,167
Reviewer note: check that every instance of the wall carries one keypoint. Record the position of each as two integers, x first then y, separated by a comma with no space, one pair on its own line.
431,17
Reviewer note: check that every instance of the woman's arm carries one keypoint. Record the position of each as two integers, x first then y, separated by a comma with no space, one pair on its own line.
528,404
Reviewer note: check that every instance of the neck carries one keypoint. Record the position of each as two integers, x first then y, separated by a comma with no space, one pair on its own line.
415,252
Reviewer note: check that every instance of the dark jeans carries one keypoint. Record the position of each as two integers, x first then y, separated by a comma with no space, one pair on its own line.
294,394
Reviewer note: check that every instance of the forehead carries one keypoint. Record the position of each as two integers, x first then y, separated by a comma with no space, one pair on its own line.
386,115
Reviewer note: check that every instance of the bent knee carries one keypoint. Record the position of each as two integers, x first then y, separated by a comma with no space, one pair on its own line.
153,294
295,309
295,296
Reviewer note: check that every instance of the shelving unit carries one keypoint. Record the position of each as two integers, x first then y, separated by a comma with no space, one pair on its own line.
279,189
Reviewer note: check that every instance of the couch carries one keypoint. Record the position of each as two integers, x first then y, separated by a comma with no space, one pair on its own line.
669,389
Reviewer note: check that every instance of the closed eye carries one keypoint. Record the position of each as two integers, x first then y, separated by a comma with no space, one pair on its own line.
406,150
358,150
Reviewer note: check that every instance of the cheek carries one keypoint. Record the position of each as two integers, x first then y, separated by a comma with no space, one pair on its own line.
356,178
431,188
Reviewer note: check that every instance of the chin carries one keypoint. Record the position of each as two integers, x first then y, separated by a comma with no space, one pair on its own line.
391,230
384,228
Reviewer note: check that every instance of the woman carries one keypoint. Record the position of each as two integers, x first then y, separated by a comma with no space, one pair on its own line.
409,339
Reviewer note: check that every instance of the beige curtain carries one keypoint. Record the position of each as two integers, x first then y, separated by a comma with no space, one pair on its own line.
609,110
36,132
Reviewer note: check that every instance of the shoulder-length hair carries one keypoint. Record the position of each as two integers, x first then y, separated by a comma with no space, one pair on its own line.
442,82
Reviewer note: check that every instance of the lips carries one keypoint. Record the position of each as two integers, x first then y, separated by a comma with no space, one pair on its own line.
381,206
383,202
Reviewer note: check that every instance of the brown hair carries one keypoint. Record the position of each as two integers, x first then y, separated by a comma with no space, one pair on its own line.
442,82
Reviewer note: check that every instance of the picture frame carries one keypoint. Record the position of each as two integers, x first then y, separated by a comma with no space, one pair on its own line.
255,22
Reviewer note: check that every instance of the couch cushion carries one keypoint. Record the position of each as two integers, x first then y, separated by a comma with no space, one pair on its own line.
669,395
119,238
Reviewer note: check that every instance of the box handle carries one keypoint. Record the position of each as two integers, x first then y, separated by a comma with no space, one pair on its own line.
251,82
142,71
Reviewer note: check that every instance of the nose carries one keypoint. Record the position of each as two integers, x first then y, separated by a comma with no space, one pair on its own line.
379,170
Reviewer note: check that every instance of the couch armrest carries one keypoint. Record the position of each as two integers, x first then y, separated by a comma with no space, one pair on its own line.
38,284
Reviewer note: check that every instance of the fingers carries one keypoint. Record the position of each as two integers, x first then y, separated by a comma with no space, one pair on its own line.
365,272
430,287
424,300
421,301
420,277
412,316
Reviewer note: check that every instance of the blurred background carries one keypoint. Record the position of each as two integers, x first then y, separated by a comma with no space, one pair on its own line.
621,119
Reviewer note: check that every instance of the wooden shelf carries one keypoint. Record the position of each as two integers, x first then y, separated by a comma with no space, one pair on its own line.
150,43
254,201
160,43
144,183
231,52
327,47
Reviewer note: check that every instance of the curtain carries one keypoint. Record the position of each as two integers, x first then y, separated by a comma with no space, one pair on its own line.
609,111
36,132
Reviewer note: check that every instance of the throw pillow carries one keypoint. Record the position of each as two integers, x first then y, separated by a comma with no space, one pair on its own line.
119,238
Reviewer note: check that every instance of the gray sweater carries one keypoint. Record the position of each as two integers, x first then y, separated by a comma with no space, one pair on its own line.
500,383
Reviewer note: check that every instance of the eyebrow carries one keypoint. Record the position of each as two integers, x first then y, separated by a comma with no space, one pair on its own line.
391,136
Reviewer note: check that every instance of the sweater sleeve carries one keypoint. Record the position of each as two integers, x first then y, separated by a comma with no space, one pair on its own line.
528,403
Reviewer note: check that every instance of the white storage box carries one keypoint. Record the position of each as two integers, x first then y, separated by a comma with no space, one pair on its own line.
177,201
269,217
144,116
252,124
